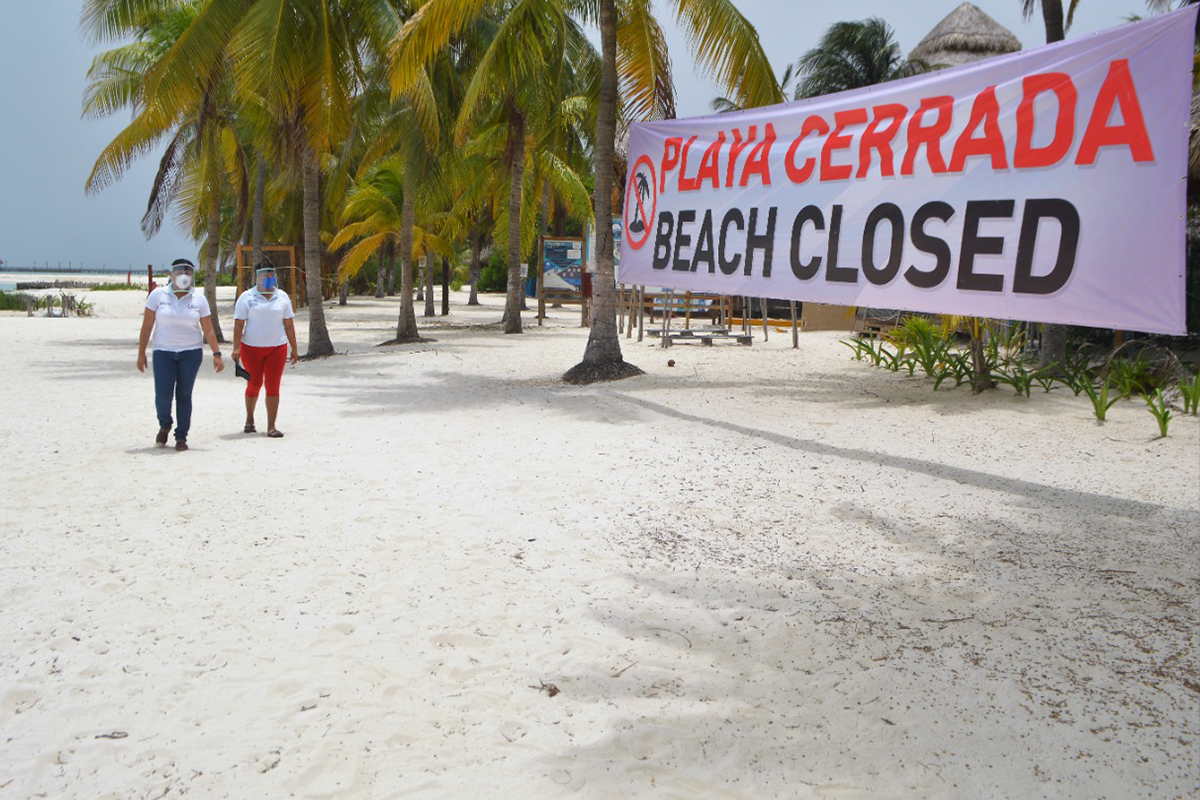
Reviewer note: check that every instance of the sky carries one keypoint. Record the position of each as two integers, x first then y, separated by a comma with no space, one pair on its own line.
47,150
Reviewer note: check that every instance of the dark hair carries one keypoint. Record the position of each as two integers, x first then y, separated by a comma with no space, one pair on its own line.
183,262
264,264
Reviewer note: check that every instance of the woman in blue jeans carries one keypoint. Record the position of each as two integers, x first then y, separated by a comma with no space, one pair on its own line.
181,321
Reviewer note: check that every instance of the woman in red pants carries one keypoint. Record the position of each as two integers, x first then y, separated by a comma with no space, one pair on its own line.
262,331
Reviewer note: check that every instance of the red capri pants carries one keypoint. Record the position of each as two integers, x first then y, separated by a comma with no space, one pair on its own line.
265,364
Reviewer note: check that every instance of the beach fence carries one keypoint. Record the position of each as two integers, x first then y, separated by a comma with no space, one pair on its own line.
61,306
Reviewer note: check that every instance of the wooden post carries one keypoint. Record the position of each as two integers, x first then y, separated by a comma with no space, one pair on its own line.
633,311
687,310
620,308
668,303
641,311
762,306
541,269
795,329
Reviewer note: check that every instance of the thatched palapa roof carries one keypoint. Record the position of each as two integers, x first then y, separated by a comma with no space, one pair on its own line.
965,35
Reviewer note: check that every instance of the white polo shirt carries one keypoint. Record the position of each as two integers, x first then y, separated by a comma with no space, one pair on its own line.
264,317
177,319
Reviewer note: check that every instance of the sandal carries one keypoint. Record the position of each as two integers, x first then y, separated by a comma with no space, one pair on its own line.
161,439
274,434
249,428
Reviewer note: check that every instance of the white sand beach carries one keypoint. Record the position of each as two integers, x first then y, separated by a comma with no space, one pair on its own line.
760,573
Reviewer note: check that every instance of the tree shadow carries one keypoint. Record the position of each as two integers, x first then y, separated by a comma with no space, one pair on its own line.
1036,493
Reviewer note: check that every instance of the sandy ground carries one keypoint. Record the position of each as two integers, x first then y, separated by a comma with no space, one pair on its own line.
763,572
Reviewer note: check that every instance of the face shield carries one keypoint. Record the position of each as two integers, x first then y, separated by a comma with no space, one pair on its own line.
266,280
183,275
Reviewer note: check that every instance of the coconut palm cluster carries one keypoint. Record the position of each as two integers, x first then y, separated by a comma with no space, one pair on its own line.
377,131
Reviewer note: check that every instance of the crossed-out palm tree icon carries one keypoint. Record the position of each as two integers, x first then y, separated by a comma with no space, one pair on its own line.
643,189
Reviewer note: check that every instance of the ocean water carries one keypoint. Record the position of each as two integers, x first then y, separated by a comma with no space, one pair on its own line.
7,286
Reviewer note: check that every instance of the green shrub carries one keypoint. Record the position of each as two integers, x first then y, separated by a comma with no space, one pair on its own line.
364,281
1190,389
1076,370
860,346
1099,397
1133,375
1158,407
223,279
1044,378
925,343
12,302
493,277
957,366
1014,374
116,287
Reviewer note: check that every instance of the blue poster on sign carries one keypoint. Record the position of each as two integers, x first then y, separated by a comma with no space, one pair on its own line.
563,265
617,230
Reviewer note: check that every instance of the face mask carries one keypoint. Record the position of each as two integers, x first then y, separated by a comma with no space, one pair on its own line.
269,283
183,282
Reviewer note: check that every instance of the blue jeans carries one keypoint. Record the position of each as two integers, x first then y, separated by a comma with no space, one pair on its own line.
174,376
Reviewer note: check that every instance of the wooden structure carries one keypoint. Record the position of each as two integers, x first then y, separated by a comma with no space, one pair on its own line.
823,317
289,267
715,312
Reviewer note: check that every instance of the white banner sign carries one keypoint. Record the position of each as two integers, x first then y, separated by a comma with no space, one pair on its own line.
1046,185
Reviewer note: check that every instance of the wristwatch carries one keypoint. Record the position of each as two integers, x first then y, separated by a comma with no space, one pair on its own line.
217,354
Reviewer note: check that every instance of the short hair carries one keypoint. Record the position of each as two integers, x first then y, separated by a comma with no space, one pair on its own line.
182,263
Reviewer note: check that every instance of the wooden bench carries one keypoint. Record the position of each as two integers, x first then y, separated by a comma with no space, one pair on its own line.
706,336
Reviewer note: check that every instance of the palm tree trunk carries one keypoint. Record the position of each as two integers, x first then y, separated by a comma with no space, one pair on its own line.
381,273
319,343
1052,17
391,286
260,193
429,312
981,370
602,359
406,328
539,262
210,264
476,266
1054,337
445,286
512,304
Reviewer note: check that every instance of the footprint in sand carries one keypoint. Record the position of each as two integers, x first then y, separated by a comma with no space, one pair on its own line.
460,640
334,774
18,701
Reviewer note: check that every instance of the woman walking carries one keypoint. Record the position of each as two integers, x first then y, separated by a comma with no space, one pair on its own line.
262,331
181,321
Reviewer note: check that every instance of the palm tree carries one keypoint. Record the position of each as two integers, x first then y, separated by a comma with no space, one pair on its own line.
727,46
375,217
514,86
510,75
723,105
305,58
203,157
1054,337
852,55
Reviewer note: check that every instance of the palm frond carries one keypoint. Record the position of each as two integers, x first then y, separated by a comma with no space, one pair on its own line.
643,63
726,45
